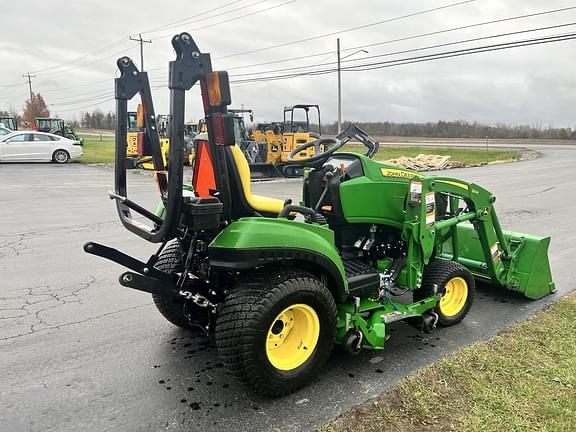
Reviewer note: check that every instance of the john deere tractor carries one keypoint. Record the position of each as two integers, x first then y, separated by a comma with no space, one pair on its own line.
281,283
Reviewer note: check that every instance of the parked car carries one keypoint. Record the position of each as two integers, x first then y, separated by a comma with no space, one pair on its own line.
25,146
4,131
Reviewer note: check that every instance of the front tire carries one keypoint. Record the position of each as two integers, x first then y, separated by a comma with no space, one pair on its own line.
457,285
276,330
61,156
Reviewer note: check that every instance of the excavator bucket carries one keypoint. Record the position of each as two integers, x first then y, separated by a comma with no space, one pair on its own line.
526,268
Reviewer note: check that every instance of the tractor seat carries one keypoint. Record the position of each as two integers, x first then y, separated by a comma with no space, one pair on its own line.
260,204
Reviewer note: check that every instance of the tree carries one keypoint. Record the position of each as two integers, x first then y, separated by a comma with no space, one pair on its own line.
35,107
97,119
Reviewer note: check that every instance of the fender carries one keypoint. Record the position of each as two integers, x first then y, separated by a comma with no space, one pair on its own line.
255,241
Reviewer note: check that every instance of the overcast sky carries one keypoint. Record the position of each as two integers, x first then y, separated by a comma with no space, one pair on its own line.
71,47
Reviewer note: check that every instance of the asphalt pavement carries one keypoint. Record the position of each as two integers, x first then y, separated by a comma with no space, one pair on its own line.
79,352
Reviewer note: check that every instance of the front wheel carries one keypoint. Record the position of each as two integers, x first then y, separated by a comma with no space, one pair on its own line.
457,286
276,330
61,156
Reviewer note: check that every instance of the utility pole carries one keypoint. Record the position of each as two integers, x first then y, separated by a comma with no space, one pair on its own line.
340,80
142,42
339,87
32,102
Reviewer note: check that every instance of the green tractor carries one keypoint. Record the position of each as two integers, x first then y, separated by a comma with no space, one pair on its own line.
56,126
280,284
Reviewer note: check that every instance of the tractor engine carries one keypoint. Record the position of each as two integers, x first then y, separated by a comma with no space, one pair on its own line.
369,241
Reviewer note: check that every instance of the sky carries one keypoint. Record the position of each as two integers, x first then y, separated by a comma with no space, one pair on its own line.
72,47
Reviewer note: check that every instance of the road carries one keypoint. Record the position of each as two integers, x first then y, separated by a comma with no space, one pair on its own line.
79,352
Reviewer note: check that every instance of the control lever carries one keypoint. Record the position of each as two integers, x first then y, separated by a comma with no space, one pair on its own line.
327,177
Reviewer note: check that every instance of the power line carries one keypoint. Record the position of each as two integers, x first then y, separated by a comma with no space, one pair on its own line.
237,18
105,48
399,62
406,38
84,56
418,59
310,38
192,20
388,20
331,53
107,80
377,43
167,26
84,100
499,35
87,106
162,82
84,65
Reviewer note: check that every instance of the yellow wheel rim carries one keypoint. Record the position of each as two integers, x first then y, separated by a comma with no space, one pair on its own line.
292,337
454,298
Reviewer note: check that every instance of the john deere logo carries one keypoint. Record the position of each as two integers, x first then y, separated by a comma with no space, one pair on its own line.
390,172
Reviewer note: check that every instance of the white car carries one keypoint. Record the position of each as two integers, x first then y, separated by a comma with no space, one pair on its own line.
4,130
24,146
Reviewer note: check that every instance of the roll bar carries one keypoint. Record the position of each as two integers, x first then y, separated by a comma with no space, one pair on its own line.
189,67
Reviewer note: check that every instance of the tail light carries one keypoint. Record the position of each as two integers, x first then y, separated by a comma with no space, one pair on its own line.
223,127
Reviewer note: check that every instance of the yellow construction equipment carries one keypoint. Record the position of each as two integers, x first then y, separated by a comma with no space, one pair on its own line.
138,155
268,146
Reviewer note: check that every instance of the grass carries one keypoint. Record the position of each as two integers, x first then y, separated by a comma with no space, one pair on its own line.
469,156
96,151
521,380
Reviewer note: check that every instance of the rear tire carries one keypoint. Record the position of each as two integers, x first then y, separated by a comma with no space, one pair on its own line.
170,261
276,330
457,285
61,156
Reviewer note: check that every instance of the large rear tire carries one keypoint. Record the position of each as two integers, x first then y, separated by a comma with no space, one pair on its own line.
276,330
170,261
457,285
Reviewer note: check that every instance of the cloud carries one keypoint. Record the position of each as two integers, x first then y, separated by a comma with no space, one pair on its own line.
524,85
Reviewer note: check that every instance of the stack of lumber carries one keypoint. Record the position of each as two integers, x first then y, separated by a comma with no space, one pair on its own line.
421,162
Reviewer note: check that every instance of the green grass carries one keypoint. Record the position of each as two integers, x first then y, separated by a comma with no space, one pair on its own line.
96,151
521,380
472,156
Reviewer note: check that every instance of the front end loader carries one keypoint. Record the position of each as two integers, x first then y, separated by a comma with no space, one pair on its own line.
281,283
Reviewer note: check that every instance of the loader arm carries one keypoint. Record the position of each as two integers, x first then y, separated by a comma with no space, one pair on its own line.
512,260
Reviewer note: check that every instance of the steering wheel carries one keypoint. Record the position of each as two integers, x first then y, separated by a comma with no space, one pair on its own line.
330,146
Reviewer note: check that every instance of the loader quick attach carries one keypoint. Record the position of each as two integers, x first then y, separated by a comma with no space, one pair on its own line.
280,284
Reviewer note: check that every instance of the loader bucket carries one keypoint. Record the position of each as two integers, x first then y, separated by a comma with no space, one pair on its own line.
529,271
526,270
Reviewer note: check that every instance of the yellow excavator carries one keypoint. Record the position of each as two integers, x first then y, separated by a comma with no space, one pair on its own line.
268,147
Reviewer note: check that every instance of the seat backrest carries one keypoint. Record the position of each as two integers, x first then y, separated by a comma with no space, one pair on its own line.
239,171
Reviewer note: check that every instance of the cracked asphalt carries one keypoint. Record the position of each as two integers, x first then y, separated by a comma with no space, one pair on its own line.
79,352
